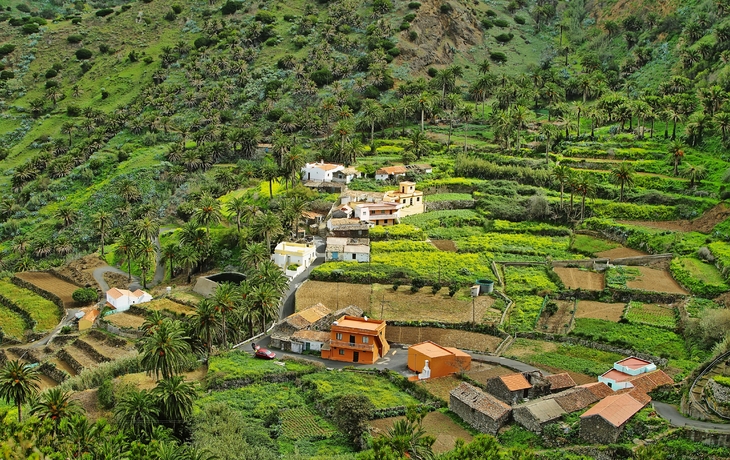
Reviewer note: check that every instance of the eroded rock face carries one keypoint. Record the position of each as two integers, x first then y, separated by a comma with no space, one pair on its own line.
440,35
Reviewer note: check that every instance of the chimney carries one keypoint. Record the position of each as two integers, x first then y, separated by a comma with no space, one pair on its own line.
366,318
335,323
321,161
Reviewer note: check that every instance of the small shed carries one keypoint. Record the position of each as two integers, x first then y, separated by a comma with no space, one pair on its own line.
560,382
510,388
481,410
536,414
309,340
575,399
604,422
442,360
89,318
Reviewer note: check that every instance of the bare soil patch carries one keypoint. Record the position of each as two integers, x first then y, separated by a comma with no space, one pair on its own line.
147,382
575,278
89,400
444,245
80,270
169,305
46,382
63,365
445,337
441,386
332,294
402,305
80,355
525,351
656,281
481,372
439,425
52,284
600,310
557,323
703,224
619,253
108,350
125,320
116,280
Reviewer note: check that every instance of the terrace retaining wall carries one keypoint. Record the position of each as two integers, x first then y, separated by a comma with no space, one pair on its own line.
53,372
91,351
448,205
75,365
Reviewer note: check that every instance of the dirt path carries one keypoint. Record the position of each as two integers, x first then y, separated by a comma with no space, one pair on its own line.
575,278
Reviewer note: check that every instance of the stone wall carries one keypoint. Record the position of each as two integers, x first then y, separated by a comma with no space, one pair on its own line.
597,430
75,365
448,205
718,398
496,388
476,419
706,437
91,351
524,417
53,372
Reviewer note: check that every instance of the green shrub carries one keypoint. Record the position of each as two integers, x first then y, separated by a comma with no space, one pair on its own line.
76,21
435,288
409,17
50,73
51,84
498,56
414,5
501,23
170,16
231,7
412,35
103,48
30,28
6,49
265,16
487,24
504,38
177,9
520,20
83,54
73,111
491,13
394,51
405,25
104,12
7,74
271,41
446,8
85,295
22,8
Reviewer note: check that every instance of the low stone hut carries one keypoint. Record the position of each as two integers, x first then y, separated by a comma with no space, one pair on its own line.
604,422
481,410
535,415
510,388
560,382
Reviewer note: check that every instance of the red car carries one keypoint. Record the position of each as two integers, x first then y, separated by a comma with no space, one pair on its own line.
263,353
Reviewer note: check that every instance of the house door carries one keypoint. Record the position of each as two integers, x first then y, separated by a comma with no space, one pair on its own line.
352,339
306,346
355,356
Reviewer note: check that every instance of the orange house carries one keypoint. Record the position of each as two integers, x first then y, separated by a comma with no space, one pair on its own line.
356,340
441,360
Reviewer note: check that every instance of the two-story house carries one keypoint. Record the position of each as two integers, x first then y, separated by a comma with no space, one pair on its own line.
410,199
356,340
380,213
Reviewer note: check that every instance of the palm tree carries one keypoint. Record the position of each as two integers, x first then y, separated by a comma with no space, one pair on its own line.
68,127
265,298
425,103
237,207
146,255
272,275
208,212
417,144
152,321
407,439
175,399
722,119
253,254
520,115
206,322
102,222
18,383
585,186
188,258
694,173
270,172
372,112
136,411
55,404
267,225
676,152
82,434
293,162
126,248
550,132
466,114
624,175
224,299
146,229
169,252
561,174
165,350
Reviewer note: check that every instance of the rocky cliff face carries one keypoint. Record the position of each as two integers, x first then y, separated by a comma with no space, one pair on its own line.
440,35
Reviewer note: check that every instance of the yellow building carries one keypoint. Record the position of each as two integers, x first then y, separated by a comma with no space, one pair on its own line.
411,200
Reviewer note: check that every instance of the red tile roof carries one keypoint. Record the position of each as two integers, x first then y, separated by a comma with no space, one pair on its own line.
560,381
515,382
575,399
480,401
616,409
616,376
599,389
634,363
649,381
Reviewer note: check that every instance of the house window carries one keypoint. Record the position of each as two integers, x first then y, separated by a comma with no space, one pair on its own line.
365,339
418,199
339,336
342,352
354,256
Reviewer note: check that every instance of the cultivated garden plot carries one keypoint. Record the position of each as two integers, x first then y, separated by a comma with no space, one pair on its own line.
12,324
660,315
651,279
481,372
125,320
52,284
436,424
168,305
600,310
620,252
445,337
445,245
559,357
332,294
441,387
557,321
44,312
62,365
577,278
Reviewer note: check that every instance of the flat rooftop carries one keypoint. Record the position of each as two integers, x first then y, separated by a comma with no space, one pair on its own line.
359,323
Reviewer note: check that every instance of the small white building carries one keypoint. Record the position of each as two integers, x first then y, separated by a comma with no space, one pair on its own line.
287,254
321,172
346,175
122,299
308,340
348,249
634,366
390,172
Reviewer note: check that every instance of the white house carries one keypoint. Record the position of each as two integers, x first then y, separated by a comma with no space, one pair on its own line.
321,172
348,249
300,254
616,380
346,175
122,299
634,366
381,213
309,341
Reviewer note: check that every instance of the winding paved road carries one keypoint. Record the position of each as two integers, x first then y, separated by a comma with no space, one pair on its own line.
672,415
98,275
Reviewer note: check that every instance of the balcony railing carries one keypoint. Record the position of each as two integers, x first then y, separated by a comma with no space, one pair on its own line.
352,346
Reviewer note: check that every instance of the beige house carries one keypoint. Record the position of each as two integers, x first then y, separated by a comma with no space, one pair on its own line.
299,254
410,199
